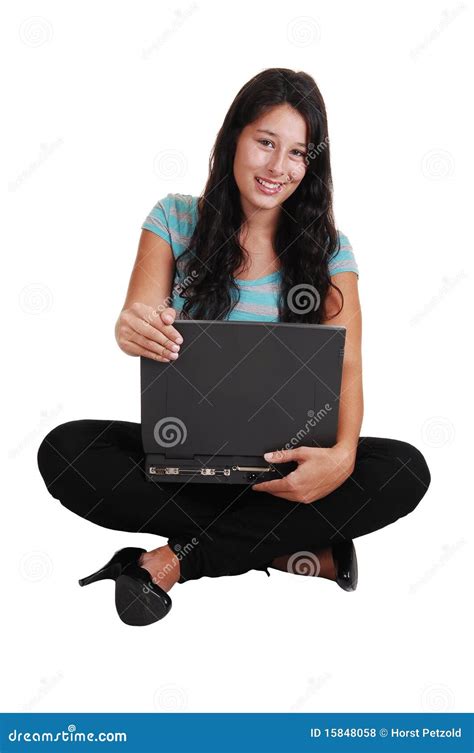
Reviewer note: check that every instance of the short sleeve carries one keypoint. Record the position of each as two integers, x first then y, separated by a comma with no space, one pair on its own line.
343,259
158,219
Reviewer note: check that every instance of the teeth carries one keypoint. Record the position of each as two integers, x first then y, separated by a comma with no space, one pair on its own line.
268,185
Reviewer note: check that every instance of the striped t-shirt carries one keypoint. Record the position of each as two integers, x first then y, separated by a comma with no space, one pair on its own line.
174,218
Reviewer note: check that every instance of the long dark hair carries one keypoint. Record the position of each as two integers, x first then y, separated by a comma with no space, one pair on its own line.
305,236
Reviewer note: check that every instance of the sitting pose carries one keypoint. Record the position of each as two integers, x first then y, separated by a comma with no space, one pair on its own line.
259,244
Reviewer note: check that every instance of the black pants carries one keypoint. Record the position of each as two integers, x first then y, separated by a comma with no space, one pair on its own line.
96,469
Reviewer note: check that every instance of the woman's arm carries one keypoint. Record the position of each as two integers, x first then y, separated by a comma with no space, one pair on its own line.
152,275
140,329
351,405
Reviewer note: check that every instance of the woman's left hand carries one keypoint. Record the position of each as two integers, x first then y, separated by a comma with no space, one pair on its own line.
320,471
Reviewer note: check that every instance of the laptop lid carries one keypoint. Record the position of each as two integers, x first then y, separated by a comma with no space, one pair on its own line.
238,390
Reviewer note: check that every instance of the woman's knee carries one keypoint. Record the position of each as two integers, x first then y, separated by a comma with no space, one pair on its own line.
59,445
415,476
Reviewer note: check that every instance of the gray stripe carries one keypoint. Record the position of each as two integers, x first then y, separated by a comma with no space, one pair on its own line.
151,220
266,287
183,215
256,308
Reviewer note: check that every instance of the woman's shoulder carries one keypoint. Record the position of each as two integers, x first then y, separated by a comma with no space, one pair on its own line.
179,204
178,211
343,239
343,258
173,217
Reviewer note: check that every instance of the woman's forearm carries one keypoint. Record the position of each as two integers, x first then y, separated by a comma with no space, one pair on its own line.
351,407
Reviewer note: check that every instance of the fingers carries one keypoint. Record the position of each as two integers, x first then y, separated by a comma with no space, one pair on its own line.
164,321
145,326
168,316
285,456
155,320
289,496
279,486
136,350
165,351
152,338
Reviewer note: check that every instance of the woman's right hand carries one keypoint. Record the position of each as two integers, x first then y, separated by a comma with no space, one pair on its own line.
142,330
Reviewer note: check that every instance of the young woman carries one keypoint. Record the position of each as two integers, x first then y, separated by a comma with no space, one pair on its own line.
260,243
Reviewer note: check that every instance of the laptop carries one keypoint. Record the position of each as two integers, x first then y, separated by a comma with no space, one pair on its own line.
236,391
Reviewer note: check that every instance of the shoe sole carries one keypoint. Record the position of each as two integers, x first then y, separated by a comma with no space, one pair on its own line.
137,604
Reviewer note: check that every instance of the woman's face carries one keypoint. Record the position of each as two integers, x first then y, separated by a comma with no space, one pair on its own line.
272,148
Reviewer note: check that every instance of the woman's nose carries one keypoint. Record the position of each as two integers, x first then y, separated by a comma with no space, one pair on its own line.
276,166
276,170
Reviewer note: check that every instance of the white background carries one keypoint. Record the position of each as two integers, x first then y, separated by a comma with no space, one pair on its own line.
110,107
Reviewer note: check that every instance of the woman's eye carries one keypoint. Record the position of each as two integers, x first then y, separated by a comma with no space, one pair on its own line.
267,141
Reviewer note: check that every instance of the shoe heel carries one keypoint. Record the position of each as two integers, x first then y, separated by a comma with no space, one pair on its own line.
113,567
102,574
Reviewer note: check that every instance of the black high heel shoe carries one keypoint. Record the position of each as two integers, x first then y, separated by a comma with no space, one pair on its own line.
345,559
138,600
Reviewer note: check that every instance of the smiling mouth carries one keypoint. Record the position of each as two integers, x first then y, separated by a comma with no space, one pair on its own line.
269,187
